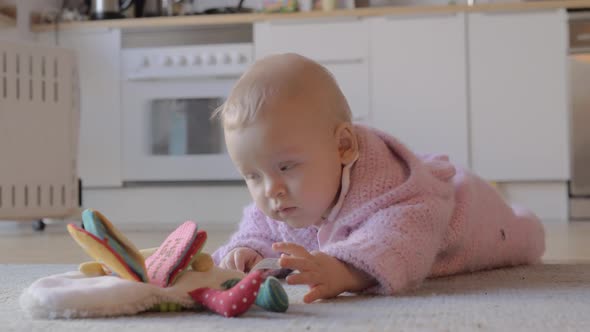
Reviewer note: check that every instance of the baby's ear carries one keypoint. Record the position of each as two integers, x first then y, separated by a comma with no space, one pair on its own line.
347,142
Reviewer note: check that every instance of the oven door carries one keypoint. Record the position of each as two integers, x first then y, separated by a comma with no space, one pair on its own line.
167,133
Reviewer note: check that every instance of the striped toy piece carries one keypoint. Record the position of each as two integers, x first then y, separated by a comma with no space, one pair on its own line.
234,301
174,307
272,296
166,307
175,254
102,252
106,244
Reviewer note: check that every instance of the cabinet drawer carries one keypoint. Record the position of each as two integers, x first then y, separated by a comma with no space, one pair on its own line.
318,40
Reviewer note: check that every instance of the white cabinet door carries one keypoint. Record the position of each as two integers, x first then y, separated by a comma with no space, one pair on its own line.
340,45
322,40
518,88
418,78
99,156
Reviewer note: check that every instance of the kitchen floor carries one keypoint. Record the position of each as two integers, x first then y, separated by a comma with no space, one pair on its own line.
566,242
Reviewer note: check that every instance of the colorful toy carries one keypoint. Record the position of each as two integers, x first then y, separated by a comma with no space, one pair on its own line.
123,280
279,6
103,242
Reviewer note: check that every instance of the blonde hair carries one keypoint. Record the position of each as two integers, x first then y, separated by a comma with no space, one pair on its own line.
276,77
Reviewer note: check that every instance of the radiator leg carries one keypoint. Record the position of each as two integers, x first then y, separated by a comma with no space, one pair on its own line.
39,225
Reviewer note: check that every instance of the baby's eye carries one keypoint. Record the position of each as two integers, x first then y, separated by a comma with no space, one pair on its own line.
286,167
251,176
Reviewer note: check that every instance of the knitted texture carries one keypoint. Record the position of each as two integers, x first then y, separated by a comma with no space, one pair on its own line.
408,217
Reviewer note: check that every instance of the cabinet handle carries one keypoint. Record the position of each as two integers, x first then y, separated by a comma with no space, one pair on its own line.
320,20
516,12
342,61
399,17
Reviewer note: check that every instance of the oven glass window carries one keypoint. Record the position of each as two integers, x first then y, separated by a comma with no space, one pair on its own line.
183,127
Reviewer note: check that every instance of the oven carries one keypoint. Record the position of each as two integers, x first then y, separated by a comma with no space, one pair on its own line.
168,96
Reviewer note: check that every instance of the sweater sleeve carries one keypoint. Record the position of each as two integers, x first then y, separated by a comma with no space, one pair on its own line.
397,245
256,231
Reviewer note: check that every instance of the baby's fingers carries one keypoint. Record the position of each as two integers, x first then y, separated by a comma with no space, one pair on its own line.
291,249
240,260
227,263
252,262
316,293
304,278
296,263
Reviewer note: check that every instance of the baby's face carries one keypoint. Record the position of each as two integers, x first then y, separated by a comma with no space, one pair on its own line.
291,164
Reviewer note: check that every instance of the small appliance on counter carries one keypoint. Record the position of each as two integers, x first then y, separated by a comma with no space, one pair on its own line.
152,8
229,10
107,9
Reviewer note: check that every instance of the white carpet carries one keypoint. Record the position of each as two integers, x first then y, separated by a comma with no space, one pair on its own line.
538,298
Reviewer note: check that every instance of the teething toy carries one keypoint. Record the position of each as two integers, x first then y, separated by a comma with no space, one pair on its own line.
124,280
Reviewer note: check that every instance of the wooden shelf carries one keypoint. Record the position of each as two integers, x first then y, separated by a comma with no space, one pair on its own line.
228,19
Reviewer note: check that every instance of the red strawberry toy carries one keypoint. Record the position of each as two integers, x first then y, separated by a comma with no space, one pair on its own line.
234,301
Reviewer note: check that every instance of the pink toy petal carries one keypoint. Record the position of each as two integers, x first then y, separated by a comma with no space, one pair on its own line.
175,253
234,301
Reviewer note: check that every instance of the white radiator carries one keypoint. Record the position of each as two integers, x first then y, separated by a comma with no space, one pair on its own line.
39,124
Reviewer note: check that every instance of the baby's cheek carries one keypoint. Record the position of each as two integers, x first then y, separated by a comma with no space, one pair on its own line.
317,206
263,206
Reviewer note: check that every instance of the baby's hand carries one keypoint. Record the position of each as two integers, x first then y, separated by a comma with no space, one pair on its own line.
241,258
325,275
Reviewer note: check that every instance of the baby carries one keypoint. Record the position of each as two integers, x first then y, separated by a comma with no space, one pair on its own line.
351,208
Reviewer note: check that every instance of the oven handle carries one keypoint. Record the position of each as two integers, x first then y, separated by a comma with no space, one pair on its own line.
145,77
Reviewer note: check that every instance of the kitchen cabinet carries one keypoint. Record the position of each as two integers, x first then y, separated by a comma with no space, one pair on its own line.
99,156
341,45
518,95
418,80
487,88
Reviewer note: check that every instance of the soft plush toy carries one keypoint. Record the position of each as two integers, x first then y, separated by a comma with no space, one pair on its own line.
123,280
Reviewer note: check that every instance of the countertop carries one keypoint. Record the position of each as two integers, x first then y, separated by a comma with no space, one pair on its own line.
195,20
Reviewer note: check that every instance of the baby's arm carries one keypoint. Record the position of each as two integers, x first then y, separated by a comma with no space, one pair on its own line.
394,250
398,245
256,232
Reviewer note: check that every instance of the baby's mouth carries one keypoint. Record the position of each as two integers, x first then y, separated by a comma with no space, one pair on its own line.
285,211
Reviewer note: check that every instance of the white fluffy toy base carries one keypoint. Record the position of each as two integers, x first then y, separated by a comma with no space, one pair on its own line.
74,295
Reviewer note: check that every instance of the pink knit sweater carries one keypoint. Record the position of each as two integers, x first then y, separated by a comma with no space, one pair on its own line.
406,218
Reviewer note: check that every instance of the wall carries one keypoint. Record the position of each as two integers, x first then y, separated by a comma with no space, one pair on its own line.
8,34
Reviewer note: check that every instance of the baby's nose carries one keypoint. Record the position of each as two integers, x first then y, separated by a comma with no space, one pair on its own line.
275,188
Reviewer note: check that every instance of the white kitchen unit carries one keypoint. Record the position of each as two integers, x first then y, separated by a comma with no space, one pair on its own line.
98,54
547,199
487,88
341,45
518,95
418,80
